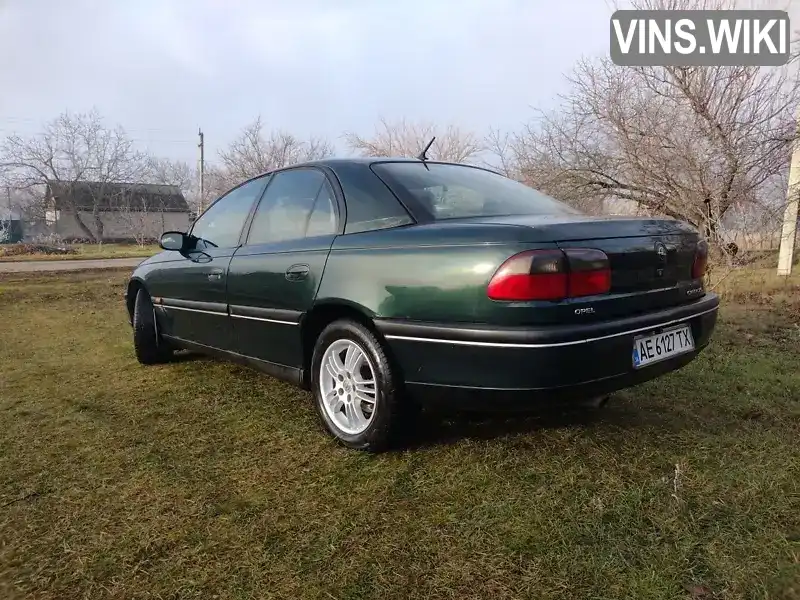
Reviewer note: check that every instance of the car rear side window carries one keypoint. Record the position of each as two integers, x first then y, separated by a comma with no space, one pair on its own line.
221,225
370,204
298,203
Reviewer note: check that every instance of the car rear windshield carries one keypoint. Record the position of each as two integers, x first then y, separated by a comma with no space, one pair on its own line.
450,191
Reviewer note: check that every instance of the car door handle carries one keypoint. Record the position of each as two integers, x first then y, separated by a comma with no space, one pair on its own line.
215,275
297,272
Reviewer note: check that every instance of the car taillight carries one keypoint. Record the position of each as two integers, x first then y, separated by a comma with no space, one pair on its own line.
700,260
551,275
589,272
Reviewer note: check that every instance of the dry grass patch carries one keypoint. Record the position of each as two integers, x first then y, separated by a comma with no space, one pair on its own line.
18,252
200,479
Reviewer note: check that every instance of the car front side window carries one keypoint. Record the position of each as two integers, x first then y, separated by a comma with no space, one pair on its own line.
322,220
221,225
298,203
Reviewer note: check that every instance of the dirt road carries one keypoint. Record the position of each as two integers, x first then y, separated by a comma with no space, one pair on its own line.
29,266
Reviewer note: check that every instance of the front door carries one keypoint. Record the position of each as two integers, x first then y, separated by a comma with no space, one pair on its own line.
191,294
274,277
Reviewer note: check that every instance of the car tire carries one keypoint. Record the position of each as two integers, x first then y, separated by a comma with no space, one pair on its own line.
150,348
391,412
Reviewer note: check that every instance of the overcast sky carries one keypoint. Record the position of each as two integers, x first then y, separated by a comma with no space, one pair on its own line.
161,68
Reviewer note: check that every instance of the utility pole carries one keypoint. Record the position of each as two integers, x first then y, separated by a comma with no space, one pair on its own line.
789,231
201,145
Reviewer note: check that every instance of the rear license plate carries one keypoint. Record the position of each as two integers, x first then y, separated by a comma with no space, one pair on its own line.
650,349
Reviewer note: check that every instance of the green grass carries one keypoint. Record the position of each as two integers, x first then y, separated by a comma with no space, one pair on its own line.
201,479
91,251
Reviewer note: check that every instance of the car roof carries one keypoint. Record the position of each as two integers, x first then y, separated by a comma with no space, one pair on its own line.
363,160
333,162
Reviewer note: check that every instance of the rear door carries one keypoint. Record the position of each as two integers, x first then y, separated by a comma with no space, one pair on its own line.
273,278
191,292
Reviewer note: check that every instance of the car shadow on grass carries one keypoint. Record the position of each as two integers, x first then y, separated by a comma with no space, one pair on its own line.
441,428
630,412
649,413
180,356
435,428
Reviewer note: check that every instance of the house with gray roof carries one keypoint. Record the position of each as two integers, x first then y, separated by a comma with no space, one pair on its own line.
104,211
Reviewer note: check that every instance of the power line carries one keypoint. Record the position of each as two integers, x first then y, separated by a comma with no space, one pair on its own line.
43,122
133,139
134,134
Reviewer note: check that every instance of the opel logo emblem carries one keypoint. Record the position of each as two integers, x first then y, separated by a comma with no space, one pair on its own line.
661,250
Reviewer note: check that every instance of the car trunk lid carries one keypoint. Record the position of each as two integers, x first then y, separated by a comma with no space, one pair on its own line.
645,262
651,263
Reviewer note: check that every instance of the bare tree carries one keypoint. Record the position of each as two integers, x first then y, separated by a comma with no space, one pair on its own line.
164,171
404,138
255,151
687,142
135,210
74,148
176,173
503,153
142,207
518,155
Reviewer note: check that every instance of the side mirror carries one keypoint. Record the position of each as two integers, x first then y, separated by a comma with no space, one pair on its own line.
173,240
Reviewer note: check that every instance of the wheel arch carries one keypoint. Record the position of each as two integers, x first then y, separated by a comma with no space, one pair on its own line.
134,285
323,314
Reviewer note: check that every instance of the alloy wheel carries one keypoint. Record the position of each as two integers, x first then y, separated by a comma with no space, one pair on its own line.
347,386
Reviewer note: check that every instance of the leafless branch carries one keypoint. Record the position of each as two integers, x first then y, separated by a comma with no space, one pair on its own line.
407,139
691,143
74,148
256,151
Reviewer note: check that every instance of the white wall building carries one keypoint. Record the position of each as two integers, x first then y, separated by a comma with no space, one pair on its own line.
114,211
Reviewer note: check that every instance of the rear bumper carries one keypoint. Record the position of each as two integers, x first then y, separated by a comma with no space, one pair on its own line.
474,366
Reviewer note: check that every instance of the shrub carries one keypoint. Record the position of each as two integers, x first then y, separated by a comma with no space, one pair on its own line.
24,249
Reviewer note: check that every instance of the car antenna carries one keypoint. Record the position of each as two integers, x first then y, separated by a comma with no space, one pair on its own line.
423,156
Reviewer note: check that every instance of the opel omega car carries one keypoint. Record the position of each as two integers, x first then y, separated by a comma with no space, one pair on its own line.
385,284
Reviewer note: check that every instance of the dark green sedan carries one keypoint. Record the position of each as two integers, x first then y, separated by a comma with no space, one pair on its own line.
386,284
